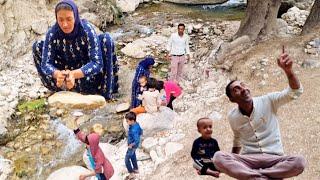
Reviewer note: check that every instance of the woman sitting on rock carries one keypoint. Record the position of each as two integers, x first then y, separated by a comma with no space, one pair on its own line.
143,69
73,56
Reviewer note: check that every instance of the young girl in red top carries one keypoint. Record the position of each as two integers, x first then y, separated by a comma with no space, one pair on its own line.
103,169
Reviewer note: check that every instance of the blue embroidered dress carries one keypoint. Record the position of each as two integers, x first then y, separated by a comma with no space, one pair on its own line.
141,70
93,54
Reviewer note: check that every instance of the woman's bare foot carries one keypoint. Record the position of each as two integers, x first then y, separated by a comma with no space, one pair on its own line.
136,171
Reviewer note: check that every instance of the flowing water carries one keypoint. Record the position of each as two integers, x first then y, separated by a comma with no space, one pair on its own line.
231,10
71,146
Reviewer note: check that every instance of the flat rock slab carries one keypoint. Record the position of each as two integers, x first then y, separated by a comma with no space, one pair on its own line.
6,168
70,173
76,101
172,148
122,107
155,122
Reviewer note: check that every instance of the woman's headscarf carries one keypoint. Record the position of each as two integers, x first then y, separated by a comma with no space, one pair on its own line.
77,22
148,61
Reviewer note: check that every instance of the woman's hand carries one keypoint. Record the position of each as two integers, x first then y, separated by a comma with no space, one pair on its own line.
70,80
82,177
163,103
60,77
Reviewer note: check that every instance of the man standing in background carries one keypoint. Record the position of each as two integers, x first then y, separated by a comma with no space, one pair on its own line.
178,49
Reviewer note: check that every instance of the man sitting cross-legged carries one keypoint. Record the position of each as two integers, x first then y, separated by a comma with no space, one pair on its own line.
256,132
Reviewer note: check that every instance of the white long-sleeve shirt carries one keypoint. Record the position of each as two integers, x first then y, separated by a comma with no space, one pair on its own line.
178,45
260,132
150,100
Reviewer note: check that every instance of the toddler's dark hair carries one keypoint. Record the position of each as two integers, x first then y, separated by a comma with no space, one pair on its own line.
152,83
131,116
199,120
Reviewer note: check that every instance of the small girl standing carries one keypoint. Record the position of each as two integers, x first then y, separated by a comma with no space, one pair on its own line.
103,169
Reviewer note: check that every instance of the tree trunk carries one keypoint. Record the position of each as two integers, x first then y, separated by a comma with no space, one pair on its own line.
313,21
260,19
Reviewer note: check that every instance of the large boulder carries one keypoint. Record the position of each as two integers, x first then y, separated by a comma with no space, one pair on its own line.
127,5
136,49
76,101
195,2
301,4
149,143
172,148
155,122
295,19
141,47
6,168
122,107
70,173
2,27
3,127
116,157
40,26
110,152
282,27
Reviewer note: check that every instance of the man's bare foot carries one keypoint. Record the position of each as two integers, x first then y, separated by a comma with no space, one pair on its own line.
213,173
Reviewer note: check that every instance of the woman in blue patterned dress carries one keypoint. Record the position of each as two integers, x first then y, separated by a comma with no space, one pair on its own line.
143,69
73,56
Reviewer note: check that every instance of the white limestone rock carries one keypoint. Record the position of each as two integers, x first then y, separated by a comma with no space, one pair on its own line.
70,173
122,107
6,168
172,148
149,143
127,5
76,100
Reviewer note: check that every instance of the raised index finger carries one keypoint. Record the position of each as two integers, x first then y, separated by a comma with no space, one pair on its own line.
284,55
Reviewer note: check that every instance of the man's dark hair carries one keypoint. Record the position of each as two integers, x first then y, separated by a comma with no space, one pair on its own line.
160,85
131,116
228,90
152,83
181,24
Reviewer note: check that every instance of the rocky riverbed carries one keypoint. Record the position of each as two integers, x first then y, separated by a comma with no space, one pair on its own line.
37,141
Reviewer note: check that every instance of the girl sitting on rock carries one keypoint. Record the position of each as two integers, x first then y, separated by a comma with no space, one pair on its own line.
151,101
